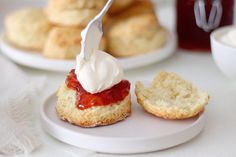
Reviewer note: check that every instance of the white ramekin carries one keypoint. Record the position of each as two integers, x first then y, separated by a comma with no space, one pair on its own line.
224,55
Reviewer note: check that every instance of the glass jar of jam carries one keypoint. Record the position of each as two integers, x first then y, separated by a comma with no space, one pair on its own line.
196,19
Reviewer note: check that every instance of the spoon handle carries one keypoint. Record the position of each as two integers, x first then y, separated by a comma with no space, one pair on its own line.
104,10
92,34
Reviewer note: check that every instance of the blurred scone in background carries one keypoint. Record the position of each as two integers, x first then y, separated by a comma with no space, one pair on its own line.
64,43
135,31
73,12
27,28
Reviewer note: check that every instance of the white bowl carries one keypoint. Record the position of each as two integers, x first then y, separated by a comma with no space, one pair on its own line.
224,55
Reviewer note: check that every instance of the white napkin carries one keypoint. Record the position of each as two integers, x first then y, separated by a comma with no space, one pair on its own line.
17,90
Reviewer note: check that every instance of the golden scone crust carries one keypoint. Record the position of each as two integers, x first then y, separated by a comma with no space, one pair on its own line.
27,28
171,97
65,43
73,12
91,117
135,31
119,5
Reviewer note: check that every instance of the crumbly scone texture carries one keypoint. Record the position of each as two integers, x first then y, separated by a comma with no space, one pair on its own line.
91,117
73,12
27,28
119,5
65,43
171,97
135,31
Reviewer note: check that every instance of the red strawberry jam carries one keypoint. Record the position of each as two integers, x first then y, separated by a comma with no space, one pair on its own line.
86,100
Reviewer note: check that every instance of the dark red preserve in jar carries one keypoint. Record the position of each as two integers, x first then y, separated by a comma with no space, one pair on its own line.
196,19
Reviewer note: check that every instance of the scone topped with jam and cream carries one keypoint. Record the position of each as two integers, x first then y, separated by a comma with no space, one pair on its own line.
80,107
94,93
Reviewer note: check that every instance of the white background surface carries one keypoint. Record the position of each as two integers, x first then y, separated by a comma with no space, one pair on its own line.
218,139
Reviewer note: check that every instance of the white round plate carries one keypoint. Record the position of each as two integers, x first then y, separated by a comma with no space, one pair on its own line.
139,133
36,60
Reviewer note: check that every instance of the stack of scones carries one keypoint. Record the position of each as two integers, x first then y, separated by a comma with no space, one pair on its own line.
131,28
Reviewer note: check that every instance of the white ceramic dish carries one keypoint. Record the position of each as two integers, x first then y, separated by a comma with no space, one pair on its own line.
224,55
139,133
36,60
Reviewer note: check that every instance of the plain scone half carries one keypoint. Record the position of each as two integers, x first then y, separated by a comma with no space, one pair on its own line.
171,97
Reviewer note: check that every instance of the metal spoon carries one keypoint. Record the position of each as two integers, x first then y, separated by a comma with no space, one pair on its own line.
214,17
92,34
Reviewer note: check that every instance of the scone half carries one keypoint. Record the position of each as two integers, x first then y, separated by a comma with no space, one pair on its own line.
91,117
171,97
